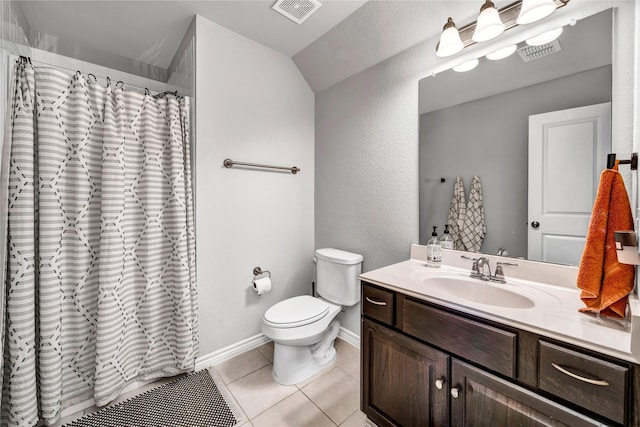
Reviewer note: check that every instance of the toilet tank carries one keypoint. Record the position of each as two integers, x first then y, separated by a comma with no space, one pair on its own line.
336,276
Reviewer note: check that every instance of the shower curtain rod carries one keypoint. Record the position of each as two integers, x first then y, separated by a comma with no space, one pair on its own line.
160,94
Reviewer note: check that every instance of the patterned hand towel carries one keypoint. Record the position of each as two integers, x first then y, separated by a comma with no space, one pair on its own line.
474,228
605,283
457,211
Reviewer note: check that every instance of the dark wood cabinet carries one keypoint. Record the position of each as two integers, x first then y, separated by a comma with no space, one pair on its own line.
405,382
426,365
480,399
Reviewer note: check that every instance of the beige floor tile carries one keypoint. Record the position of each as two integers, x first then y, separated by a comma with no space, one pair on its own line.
267,351
358,419
244,364
295,411
346,353
302,384
336,393
348,358
231,400
257,391
352,368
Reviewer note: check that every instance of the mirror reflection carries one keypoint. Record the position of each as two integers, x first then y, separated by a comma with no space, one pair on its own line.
478,124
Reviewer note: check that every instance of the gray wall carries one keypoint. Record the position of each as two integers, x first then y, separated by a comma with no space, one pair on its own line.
489,138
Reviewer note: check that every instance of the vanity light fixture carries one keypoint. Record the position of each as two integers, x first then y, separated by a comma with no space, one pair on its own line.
489,24
492,22
534,10
502,53
466,66
450,42
544,38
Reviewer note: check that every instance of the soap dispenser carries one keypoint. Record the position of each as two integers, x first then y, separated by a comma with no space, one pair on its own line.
434,251
446,242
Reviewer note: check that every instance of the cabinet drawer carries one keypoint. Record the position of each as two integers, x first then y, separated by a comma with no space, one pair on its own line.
587,381
377,303
484,344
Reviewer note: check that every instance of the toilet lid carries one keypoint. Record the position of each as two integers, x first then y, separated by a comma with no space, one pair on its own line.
296,311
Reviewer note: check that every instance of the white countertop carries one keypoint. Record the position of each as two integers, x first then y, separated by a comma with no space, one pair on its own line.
553,314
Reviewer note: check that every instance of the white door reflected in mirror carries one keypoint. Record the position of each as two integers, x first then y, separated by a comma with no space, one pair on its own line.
567,152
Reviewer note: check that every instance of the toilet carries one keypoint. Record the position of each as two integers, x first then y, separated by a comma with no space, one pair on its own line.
303,328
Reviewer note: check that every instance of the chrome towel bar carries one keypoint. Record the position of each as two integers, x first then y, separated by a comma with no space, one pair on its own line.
229,163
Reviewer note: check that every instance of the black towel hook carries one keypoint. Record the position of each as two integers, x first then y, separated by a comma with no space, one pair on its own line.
611,161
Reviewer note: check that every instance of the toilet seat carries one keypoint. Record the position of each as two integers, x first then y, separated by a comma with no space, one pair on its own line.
296,311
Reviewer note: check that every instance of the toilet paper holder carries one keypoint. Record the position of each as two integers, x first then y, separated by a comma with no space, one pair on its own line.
257,271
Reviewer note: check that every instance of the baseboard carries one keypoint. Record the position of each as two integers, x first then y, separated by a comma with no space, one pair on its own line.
231,351
349,337
256,341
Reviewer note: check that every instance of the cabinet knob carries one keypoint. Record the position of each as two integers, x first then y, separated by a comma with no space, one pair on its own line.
439,383
455,392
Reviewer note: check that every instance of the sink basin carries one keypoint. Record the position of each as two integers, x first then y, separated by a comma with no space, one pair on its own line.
479,292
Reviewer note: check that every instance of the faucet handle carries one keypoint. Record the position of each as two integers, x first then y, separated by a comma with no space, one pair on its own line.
475,269
512,264
498,276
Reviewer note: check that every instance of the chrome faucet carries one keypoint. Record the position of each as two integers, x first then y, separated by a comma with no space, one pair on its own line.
484,268
498,277
481,269
502,252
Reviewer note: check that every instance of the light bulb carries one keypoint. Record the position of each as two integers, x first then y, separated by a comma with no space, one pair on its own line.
466,66
450,42
534,10
489,24
545,38
502,53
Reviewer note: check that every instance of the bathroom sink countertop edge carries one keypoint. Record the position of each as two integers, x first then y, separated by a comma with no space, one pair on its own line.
554,312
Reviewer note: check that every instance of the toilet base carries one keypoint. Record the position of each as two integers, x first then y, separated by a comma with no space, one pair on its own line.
293,364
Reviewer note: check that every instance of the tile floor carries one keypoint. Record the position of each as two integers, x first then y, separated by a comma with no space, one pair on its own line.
329,398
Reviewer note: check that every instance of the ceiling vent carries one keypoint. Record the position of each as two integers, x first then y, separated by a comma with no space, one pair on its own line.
296,10
531,53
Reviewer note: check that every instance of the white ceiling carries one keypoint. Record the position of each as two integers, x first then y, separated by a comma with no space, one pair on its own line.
152,30
342,38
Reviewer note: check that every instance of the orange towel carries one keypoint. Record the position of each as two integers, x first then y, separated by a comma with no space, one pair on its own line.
605,283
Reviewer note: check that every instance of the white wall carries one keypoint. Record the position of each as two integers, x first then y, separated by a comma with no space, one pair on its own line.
367,141
252,106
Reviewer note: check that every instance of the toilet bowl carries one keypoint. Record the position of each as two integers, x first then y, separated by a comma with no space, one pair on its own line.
298,326
303,328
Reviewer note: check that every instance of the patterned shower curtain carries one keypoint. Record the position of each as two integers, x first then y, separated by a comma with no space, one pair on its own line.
100,271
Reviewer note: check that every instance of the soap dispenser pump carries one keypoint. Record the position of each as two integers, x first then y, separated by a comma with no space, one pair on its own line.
434,250
446,242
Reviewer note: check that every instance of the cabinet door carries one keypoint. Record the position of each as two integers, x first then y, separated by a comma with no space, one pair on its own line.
404,383
481,399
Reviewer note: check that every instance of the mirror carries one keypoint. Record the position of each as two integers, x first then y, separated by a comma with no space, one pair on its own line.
476,123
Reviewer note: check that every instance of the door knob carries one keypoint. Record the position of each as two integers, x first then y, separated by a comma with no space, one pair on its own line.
455,392
535,224
439,384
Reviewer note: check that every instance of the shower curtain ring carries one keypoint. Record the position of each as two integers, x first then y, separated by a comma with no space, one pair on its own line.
146,91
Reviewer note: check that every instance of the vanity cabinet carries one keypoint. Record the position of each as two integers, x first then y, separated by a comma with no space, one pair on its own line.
400,387
427,365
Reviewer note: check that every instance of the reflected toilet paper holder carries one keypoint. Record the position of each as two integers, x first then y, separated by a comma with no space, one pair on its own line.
257,271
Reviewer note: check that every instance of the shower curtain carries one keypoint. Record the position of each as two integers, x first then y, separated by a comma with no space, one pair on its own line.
100,270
